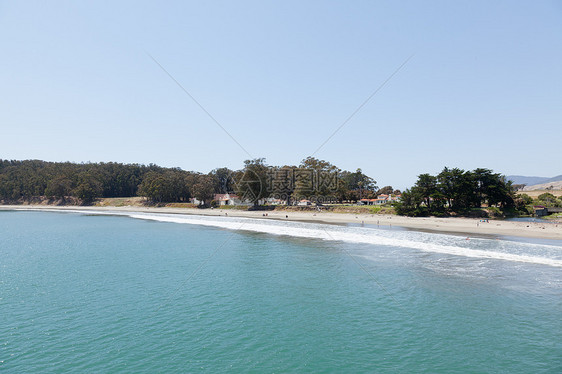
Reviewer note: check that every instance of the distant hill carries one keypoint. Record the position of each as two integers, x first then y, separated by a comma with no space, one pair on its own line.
529,181
536,183
556,185
554,179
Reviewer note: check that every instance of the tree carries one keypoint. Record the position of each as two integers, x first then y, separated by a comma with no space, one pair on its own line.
458,188
359,185
526,199
411,204
152,186
280,182
386,190
426,186
456,191
251,182
548,199
59,187
492,188
222,180
316,164
88,189
166,186
522,201
204,189
317,179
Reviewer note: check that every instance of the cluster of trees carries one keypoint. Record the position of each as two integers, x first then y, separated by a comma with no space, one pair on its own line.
546,199
453,191
456,191
312,179
25,180
175,185
32,178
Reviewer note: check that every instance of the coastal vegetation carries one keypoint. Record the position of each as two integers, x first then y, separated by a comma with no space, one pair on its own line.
544,199
68,183
480,192
458,192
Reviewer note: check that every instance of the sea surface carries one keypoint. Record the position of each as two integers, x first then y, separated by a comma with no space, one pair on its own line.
148,293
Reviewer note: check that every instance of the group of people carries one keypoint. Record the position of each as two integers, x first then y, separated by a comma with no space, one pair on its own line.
482,220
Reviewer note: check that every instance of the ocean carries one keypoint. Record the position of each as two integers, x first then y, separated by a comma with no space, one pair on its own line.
144,293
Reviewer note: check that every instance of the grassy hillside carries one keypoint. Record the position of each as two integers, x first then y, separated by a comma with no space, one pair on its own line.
535,193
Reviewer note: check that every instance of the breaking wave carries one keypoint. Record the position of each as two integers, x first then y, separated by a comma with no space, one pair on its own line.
494,249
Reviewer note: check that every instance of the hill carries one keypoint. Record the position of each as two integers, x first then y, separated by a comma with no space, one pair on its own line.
520,179
557,185
553,179
535,183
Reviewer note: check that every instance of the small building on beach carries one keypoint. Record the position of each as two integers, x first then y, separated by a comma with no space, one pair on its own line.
227,199
380,200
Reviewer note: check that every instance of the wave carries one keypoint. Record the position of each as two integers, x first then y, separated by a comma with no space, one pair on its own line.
492,249
485,248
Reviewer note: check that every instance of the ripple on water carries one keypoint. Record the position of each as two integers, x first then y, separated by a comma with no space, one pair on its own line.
108,293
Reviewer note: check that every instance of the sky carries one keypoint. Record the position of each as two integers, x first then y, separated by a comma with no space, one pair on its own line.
463,84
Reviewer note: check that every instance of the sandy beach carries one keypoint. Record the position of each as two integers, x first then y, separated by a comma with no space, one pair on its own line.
468,226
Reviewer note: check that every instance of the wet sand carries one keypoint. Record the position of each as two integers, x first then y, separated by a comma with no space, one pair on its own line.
468,226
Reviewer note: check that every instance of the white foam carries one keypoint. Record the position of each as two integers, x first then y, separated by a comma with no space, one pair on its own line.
426,242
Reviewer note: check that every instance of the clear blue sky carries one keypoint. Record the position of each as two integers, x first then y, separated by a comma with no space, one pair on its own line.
484,88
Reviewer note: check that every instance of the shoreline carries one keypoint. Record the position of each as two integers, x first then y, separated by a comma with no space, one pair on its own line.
449,225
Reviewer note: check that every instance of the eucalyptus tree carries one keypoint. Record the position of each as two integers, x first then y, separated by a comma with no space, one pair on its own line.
251,182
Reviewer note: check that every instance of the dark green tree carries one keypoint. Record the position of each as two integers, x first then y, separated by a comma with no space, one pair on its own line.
251,182
223,181
59,187
88,188
204,189
358,185
548,199
386,190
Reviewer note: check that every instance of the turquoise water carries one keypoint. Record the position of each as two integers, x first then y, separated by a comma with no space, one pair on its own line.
98,293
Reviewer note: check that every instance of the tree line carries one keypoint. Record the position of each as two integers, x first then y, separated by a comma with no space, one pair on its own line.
452,191
23,180
456,191
312,178
316,180
545,199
